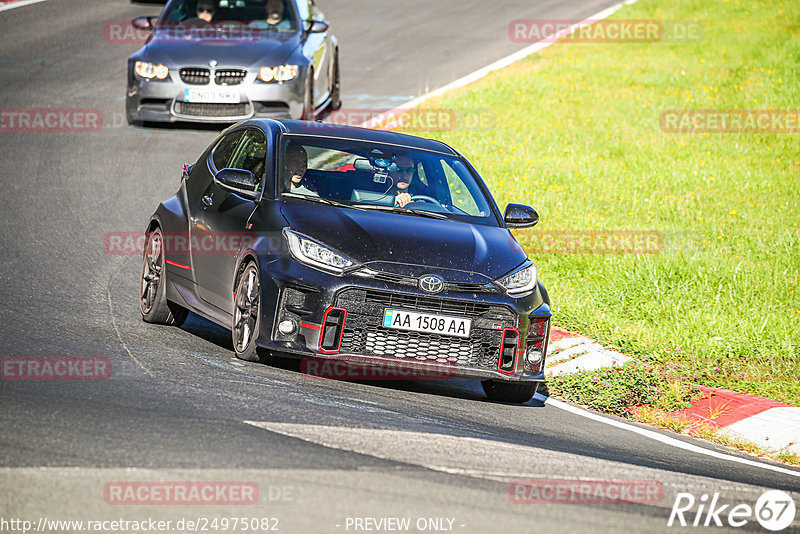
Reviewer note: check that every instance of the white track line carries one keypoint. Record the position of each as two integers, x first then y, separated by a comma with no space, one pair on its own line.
18,3
660,437
480,73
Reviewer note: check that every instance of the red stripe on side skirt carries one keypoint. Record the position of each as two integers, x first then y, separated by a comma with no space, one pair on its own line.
176,264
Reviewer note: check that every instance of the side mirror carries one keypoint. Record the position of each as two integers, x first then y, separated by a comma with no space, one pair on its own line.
520,216
237,181
143,23
318,26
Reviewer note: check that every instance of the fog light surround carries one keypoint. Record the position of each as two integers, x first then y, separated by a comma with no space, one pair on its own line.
533,356
287,327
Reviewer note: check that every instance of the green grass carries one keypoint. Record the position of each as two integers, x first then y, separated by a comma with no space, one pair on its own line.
621,390
575,132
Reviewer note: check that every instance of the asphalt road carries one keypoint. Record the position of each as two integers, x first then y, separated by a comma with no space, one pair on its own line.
179,407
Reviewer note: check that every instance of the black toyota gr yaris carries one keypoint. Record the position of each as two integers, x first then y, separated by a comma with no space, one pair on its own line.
354,245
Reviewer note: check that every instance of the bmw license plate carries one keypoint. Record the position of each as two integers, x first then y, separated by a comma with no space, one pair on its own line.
205,96
426,322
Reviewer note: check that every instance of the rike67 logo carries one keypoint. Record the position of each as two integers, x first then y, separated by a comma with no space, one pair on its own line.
774,510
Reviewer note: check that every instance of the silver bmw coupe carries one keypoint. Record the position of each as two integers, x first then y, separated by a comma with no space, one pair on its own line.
227,60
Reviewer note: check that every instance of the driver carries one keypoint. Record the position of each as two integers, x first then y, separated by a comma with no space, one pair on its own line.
296,166
205,10
402,176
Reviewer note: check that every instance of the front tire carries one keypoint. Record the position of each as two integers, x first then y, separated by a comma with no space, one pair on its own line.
153,301
247,314
515,392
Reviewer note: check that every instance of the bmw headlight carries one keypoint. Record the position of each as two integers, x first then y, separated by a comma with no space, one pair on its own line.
315,254
520,282
149,70
281,73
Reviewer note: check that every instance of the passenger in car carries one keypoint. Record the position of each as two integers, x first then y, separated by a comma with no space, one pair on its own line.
274,11
296,166
205,10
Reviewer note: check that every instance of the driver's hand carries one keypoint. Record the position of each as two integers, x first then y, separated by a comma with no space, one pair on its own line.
402,199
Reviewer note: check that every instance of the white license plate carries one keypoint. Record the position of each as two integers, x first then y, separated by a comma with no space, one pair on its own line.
426,322
205,96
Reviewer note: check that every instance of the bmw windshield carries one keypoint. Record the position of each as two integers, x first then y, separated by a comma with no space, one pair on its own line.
381,177
274,15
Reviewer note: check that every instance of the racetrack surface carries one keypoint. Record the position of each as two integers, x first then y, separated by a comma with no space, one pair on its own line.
178,403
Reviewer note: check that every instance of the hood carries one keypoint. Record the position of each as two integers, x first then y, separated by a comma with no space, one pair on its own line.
411,244
229,51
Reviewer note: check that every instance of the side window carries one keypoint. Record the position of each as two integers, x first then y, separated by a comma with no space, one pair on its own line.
224,150
421,174
251,154
459,193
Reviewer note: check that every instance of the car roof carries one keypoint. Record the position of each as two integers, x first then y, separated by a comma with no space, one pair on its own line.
358,134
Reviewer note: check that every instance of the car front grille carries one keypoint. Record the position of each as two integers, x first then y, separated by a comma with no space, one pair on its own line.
194,76
471,288
393,299
412,281
212,110
364,332
229,76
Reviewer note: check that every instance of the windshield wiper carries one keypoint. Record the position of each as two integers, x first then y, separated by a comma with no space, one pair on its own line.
367,207
322,200
398,209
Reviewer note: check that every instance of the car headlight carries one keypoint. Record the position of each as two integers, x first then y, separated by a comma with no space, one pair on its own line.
281,73
520,282
149,70
315,254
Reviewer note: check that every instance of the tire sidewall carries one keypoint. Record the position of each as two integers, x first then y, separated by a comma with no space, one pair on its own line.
160,297
336,85
308,96
250,352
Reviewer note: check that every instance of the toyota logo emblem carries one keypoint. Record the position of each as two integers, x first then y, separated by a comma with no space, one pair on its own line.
431,283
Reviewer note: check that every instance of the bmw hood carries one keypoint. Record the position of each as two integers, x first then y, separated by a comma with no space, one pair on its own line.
412,245
228,51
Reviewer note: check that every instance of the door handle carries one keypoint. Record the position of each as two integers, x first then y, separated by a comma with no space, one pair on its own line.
208,201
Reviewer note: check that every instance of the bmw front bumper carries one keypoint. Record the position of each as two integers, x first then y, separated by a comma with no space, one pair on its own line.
152,100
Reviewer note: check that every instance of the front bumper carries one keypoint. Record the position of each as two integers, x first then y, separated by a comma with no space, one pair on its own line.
343,320
163,100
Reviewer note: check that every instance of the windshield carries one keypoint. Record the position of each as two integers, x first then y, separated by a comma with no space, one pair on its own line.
277,15
380,177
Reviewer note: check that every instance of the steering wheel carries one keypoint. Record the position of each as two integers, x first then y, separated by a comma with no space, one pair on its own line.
426,198
195,21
